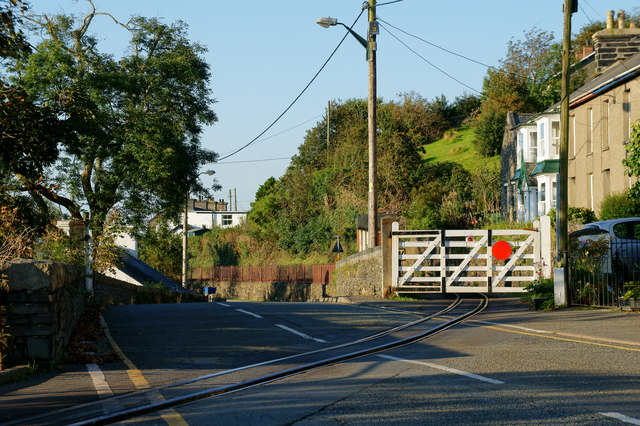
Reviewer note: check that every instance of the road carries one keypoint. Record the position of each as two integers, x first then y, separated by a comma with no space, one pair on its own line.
503,368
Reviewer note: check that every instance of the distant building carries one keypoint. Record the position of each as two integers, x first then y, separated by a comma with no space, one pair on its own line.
204,215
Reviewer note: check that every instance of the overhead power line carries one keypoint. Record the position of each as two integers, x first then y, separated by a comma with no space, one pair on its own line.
282,132
297,97
434,45
430,63
255,161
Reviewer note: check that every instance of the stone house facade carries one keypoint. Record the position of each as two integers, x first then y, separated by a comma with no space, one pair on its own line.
602,112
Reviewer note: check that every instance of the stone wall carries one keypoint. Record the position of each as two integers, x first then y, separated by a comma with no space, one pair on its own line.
358,275
270,292
44,300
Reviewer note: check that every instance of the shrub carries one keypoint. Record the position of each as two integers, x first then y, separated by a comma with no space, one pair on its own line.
489,130
581,215
541,289
615,206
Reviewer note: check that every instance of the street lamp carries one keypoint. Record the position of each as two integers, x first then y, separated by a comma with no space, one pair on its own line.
185,226
370,45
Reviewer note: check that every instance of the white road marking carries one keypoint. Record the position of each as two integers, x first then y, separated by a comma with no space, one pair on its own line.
99,381
622,418
532,330
306,336
224,304
249,313
448,369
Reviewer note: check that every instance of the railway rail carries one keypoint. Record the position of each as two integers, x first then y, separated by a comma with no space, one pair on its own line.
157,399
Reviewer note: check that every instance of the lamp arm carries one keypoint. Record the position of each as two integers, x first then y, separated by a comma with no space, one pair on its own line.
358,37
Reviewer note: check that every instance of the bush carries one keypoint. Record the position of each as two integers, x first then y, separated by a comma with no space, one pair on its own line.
615,206
541,289
489,130
581,215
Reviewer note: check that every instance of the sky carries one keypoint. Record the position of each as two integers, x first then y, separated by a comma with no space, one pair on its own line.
263,53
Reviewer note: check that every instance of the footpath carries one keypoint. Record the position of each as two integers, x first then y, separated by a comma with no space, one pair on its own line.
74,384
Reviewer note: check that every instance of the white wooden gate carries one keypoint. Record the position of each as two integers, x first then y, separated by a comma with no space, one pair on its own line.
464,261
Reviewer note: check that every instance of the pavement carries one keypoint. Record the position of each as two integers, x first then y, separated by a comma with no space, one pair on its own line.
73,384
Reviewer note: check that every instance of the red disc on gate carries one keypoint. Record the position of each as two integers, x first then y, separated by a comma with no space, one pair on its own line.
501,250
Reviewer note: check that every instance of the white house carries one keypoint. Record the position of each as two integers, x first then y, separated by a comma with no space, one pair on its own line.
203,215
538,159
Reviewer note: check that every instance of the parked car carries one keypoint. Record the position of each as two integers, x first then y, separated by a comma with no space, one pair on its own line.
623,236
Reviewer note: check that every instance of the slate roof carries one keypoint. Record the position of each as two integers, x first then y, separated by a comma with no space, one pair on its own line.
144,273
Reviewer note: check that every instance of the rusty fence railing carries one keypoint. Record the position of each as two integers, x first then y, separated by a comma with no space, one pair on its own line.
304,274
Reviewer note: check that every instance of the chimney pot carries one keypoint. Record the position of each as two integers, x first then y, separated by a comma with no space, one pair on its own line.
610,20
621,19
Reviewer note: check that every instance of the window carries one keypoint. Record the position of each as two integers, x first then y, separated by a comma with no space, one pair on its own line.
629,230
554,190
541,150
520,146
572,133
555,138
227,220
589,130
606,182
533,147
626,116
590,191
542,197
604,124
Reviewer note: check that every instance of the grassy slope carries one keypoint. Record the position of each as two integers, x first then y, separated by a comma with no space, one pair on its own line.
457,146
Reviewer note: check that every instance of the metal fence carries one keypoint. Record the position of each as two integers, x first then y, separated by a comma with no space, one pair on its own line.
304,274
601,280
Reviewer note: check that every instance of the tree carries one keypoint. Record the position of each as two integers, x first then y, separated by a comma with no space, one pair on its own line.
28,131
632,162
523,82
136,121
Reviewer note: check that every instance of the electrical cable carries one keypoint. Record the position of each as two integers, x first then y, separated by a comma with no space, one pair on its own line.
595,11
297,97
585,14
430,63
280,133
255,161
389,2
434,45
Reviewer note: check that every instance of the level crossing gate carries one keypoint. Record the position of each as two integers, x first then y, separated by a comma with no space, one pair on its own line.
466,261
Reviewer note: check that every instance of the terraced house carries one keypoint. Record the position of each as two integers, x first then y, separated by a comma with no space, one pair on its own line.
601,115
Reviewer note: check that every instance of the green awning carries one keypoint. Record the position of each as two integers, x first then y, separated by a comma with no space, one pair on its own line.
546,167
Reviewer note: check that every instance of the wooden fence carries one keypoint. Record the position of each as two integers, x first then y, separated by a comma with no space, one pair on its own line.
307,274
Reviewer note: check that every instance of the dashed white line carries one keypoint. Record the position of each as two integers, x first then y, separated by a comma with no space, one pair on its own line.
448,369
224,304
249,313
622,418
99,381
306,336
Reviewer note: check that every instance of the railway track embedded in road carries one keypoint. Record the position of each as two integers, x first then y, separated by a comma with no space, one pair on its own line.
157,399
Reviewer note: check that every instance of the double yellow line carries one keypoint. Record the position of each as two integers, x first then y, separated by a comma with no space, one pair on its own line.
170,416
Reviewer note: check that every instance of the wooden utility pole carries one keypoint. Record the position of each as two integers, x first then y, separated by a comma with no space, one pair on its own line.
372,128
563,195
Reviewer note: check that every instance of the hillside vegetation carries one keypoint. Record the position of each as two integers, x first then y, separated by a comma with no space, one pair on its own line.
458,145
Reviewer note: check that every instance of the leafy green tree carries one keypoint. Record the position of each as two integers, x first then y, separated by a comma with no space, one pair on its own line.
136,120
489,130
162,249
632,163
